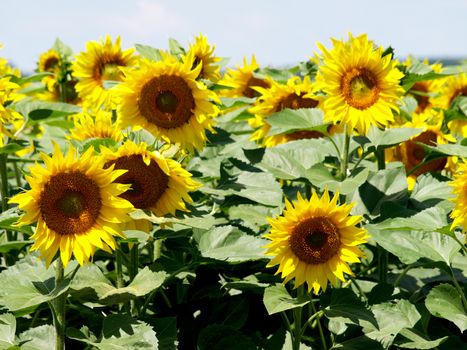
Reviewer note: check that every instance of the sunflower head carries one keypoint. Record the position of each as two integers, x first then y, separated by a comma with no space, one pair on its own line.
156,183
459,185
165,98
241,82
100,62
297,93
49,61
361,85
10,120
98,125
314,240
203,54
76,205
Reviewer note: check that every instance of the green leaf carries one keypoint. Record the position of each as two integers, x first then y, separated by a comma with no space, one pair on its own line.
276,299
166,330
390,137
38,338
91,277
253,216
13,245
202,222
9,218
28,283
444,301
429,191
7,331
129,335
359,343
411,78
37,110
149,52
229,244
176,48
392,317
384,187
410,246
290,120
347,308
63,49
412,339
11,148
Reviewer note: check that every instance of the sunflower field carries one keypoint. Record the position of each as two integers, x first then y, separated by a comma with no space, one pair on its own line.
163,198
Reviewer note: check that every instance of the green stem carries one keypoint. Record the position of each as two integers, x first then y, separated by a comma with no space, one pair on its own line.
459,288
59,306
157,248
382,253
345,155
118,267
17,175
403,273
321,333
360,290
134,257
380,157
297,323
4,179
463,247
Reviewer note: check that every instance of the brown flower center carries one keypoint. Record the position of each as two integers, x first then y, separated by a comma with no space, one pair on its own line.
249,92
414,154
51,64
420,89
315,240
167,101
360,88
70,203
148,182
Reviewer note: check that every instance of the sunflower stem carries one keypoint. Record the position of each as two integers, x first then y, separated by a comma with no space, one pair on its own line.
59,306
5,194
157,248
345,155
297,322
321,333
133,271
119,270
382,253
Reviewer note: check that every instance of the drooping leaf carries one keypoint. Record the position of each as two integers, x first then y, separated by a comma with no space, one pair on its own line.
229,244
289,120
412,339
276,299
38,338
149,52
444,301
7,331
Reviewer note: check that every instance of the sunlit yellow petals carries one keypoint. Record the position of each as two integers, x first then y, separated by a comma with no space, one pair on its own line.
75,205
313,240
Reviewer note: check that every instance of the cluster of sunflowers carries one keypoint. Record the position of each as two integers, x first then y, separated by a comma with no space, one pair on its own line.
134,120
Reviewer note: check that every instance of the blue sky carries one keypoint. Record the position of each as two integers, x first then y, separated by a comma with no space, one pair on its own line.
278,32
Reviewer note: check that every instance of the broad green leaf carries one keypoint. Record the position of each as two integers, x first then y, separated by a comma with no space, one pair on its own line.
8,220
149,52
347,308
62,48
412,339
384,187
276,299
411,78
444,301
92,278
176,48
166,330
130,336
429,191
36,110
28,283
229,244
202,222
289,120
359,343
410,246
38,338
11,148
13,245
390,137
392,317
7,331
253,216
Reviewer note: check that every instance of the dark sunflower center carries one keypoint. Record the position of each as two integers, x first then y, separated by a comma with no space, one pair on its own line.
167,101
459,92
415,153
294,101
50,64
360,88
315,240
419,90
249,92
148,182
70,203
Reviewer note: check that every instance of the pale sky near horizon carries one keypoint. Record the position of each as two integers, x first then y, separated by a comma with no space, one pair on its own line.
277,32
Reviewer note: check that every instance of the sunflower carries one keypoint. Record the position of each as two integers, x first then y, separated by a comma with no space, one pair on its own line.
99,125
361,84
294,95
312,241
10,120
454,86
204,54
241,81
6,69
76,205
459,213
411,154
49,61
158,184
164,98
100,62
52,91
